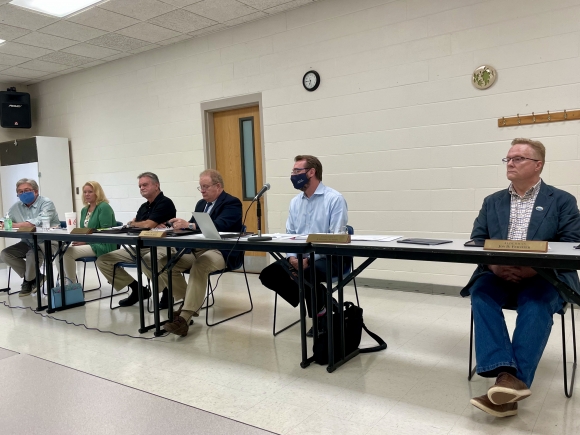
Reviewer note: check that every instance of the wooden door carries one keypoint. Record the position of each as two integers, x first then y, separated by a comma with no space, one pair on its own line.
235,131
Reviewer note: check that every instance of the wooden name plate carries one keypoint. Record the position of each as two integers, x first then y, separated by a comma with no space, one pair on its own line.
516,245
26,230
152,234
328,238
82,231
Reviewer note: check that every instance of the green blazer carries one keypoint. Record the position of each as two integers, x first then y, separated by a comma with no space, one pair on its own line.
102,216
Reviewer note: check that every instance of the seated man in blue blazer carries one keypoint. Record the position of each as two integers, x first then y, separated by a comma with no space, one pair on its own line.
528,209
226,213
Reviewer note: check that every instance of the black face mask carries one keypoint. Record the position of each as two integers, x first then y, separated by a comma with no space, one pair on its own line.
299,180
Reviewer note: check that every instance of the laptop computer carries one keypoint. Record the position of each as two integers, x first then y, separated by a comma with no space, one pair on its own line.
208,229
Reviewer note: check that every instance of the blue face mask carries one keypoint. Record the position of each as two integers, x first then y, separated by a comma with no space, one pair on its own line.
299,180
26,197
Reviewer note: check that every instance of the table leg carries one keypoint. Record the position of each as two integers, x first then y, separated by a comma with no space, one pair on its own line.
329,314
313,297
155,290
49,275
142,329
169,287
39,307
304,362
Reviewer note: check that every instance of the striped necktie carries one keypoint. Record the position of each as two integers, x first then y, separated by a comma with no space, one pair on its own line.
207,206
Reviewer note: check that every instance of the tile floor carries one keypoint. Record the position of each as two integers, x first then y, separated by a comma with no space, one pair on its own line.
239,370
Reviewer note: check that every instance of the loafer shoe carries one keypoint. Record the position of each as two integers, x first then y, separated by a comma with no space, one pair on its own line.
134,297
505,410
508,389
179,326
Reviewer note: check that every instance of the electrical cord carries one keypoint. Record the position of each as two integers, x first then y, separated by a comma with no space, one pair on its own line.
15,307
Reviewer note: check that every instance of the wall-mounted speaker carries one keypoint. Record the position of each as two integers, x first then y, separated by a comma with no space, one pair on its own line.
15,110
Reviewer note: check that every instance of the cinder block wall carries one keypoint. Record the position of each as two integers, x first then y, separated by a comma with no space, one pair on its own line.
402,133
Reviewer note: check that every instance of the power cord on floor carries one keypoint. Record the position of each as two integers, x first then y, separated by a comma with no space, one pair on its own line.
17,307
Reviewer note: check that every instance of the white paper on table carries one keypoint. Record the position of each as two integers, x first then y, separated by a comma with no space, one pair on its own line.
359,237
280,236
370,238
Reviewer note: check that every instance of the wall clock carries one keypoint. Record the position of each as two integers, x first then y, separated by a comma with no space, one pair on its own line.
311,80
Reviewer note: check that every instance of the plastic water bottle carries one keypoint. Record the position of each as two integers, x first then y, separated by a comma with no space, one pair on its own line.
45,222
7,223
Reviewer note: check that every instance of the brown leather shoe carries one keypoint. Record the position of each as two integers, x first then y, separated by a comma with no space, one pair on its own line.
179,326
508,389
177,313
483,403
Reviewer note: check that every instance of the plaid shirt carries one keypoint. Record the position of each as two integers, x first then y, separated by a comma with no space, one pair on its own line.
521,211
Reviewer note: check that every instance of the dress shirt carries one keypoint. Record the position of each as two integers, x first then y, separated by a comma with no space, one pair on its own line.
209,207
21,213
325,211
521,208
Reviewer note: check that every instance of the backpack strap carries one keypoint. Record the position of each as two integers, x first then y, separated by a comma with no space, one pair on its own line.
382,344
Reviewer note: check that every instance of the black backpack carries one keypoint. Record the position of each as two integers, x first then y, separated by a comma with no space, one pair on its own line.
353,326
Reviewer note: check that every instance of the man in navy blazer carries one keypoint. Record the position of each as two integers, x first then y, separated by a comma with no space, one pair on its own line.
226,213
528,209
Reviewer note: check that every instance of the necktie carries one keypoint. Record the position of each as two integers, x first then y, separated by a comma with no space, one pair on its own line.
207,206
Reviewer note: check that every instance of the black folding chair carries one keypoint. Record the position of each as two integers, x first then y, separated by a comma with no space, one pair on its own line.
334,280
568,389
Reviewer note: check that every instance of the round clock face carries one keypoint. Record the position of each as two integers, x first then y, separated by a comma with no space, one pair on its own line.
311,80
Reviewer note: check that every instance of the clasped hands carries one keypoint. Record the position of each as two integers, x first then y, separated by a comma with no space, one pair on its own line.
512,273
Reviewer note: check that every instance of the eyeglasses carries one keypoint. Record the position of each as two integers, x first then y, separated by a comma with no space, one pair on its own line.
298,170
205,188
20,192
517,160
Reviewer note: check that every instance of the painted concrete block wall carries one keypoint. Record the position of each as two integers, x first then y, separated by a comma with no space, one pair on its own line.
401,132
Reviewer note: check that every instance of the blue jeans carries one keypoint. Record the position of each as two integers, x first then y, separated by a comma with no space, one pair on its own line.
536,300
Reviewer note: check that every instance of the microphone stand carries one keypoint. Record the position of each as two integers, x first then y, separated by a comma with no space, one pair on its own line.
259,237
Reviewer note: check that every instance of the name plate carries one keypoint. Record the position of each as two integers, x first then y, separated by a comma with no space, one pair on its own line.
157,234
82,231
26,230
328,238
516,245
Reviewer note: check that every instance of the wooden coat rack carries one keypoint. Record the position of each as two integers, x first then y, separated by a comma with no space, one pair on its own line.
514,121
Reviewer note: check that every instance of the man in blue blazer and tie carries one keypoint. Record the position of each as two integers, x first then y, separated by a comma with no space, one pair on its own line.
225,211
528,209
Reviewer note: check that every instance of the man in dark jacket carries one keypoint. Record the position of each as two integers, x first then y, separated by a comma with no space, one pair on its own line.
528,210
226,213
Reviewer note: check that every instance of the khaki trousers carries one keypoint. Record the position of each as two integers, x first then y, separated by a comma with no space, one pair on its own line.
71,254
106,262
20,257
200,264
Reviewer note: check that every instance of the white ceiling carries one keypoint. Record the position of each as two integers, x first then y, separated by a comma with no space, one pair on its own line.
39,47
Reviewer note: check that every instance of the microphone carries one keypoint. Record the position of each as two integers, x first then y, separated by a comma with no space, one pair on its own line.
261,192
259,237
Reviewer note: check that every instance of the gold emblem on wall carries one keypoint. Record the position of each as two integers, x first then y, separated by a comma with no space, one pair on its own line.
483,77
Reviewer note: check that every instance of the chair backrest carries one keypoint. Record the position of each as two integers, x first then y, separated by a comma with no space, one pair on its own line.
350,231
240,258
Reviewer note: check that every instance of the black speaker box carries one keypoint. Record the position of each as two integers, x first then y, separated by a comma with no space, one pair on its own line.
15,110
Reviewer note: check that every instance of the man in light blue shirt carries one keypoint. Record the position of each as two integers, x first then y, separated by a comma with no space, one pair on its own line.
317,209
27,212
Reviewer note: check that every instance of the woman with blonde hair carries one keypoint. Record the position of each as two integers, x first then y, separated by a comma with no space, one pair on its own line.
97,213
